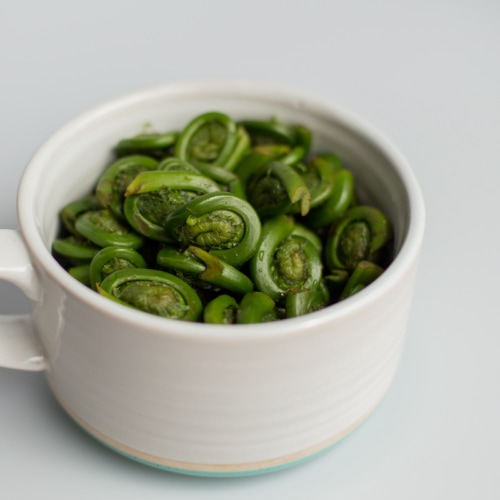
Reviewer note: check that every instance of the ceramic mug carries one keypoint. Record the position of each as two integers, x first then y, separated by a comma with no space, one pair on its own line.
198,398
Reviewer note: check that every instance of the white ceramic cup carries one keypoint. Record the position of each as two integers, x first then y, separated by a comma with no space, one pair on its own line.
196,398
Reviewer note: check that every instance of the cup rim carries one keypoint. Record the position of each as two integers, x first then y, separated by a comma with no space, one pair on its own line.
405,259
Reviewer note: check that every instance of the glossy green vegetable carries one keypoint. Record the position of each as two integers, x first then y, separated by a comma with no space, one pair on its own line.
301,146
112,259
151,144
75,249
176,165
336,204
73,210
358,235
212,138
257,157
285,260
227,180
224,222
205,266
298,137
104,229
307,300
220,223
153,195
221,311
113,182
256,307
364,273
274,189
269,132
81,273
318,176
153,291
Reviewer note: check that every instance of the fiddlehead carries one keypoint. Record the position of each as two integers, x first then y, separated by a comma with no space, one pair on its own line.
221,310
75,249
301,146
81,273
112,259
274,189
220,223
363,274
150,144
113,182
285,261
73,210
206,267
256,307
212,138
177,165
226,179
341,198
273,132
152,196
152,291
264,132
257,157
318,176
357,236
305,301
104,230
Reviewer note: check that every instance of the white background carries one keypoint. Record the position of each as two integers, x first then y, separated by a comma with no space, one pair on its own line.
427,73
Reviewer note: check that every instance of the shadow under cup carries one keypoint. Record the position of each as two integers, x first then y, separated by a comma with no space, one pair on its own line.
202,399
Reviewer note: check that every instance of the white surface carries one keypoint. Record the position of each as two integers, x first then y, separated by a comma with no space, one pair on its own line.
428,74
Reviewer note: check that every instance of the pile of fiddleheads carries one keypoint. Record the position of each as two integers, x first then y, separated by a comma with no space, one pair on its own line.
224,222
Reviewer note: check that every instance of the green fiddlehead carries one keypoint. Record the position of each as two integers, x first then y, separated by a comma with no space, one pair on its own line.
257,157
212,138
75,249
274,189
340,199
113,182
72,210
206,267
357,236
104,230
220,223
221,310
240,149
150,144
363,274
112,259
273,132
227,180
284,261
81,273
177,165
318,176
151,196
154,292
301,146
305,301
256,307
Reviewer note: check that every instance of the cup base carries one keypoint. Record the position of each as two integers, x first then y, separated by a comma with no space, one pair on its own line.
212,470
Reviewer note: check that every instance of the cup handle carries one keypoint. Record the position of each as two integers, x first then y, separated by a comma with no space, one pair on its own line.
19,348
